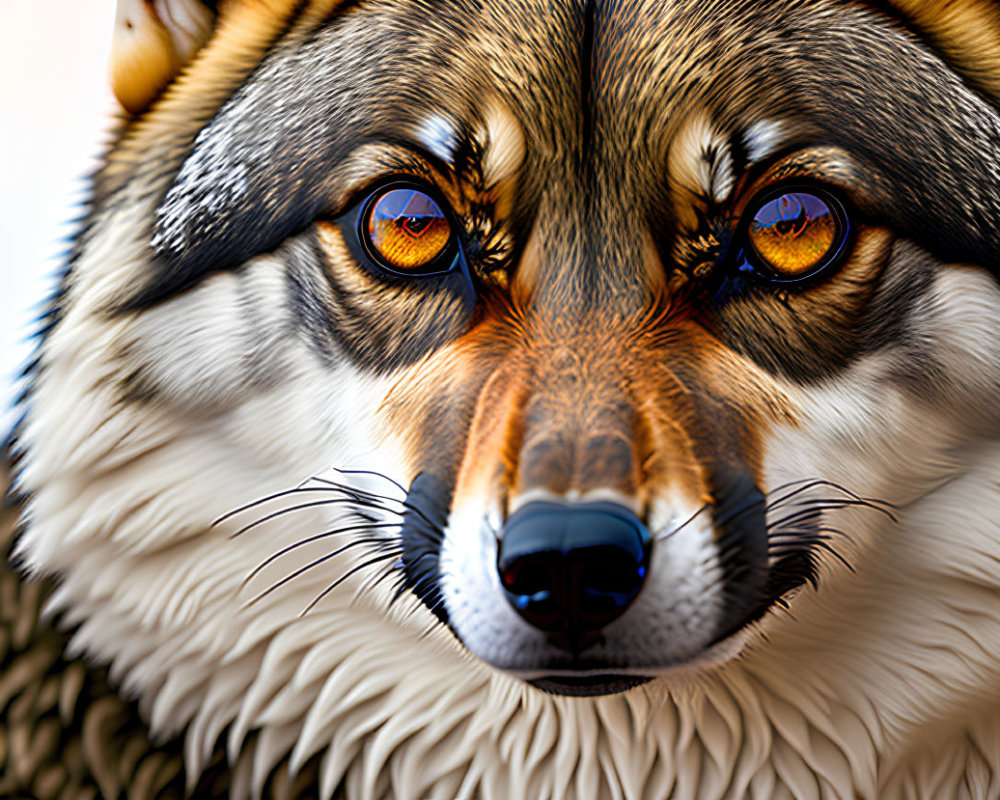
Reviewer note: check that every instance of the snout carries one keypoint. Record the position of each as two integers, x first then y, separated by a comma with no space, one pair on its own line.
588,597
595,542
570,569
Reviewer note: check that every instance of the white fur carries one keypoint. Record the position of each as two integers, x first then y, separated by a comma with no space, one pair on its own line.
670,621
504,145
440,136
699,161
763,138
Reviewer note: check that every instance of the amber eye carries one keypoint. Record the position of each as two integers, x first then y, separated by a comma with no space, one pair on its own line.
795,234
405,230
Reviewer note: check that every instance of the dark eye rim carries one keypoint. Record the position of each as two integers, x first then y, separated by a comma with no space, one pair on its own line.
444,262
835,256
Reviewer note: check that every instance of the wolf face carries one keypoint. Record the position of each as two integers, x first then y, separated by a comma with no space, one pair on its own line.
419,357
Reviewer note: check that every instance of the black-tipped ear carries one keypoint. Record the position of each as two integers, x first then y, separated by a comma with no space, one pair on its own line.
152,41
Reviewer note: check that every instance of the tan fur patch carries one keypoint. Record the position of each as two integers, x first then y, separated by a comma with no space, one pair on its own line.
968,33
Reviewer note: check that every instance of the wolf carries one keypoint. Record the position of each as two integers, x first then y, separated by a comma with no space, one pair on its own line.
522,398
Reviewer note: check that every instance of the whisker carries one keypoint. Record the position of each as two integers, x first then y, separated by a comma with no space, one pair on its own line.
803,486
356,491
333,501
375,474
378,543
744,506
368,526
684,524
815,509
795,533
362,493
267,498
794,482
806,514
853,498
352,571
825,545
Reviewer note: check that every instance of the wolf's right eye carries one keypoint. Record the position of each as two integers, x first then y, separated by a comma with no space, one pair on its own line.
795,234
406,232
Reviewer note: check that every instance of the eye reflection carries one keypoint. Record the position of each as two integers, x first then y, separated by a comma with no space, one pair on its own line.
794,232
406,229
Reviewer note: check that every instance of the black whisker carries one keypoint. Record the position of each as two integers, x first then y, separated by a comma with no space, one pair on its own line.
807,514
825,545
746,505
267,498
815,510
377,543
673,531
352,571
806,531
368,526
333,501
802,486
852,498
364,494
375,474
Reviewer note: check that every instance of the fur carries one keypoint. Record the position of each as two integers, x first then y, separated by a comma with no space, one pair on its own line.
224,391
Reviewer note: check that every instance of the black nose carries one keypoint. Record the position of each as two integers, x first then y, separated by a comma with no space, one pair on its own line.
572,568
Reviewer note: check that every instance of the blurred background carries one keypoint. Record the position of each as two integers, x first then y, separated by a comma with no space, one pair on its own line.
55,107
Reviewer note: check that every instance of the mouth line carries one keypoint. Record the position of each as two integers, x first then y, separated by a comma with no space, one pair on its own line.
575,666
583,677
593,679
589,685
581,673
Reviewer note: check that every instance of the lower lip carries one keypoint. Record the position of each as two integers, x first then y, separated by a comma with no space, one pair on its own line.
593,682
588,685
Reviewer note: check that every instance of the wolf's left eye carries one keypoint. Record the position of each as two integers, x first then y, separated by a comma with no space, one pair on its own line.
405,231
794,234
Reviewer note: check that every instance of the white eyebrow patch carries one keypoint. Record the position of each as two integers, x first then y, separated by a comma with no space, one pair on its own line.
700,163
440,136
763,138
504,151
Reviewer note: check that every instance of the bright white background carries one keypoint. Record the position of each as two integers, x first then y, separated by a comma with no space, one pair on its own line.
54,109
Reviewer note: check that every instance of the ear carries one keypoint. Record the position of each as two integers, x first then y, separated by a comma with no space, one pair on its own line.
965,32
152,41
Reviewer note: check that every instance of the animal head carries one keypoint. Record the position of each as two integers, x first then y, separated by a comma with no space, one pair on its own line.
417,357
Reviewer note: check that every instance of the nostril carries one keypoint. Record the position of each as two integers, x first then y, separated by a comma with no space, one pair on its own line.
528,577
572,569
531,583
610,576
